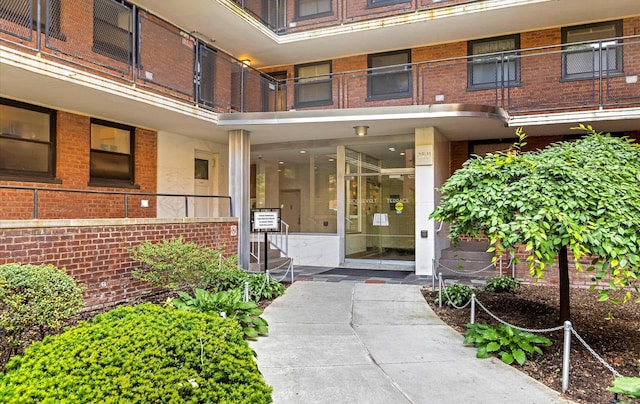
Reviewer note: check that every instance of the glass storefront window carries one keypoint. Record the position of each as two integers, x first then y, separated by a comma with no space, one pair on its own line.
303,183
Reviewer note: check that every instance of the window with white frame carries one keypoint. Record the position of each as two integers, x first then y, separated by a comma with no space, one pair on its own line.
27,142
587,48
312,8
313,84
494,63
389,75
111,156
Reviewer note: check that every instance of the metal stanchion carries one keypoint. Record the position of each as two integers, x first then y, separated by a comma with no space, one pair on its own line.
565,356
473,308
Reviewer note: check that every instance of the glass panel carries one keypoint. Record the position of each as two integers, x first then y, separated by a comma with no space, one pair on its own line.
201,169
24,124
109,166
111,139
303,185
314,92
311,7
380,221
24,155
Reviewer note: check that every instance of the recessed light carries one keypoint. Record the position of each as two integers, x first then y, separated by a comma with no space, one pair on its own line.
303,151
392,149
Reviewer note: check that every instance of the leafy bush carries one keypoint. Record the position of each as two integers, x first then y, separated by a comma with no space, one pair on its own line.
176,264
225,278
627,386
228,304
501,284
263,289
504,341
455,295
34,299
141,354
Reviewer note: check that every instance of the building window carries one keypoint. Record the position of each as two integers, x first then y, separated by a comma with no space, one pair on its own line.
313,85
312,9
588,47
111,156
112,30
381,3
27,142
390,75
494,63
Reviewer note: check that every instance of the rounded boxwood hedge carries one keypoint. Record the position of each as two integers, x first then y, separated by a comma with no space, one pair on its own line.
143,354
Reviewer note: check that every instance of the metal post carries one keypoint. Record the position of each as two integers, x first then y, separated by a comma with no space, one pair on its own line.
126,206
35,203
266,249
186,206
246,291
266,277
473,308
433,274
500,258
565,356
440,290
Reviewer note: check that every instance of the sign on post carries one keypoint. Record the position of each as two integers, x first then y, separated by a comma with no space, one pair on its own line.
265,221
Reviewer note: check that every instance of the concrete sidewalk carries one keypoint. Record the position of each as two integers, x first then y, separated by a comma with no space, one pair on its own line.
377,343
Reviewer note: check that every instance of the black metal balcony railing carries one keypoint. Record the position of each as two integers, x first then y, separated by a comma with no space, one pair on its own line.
56,201
134,46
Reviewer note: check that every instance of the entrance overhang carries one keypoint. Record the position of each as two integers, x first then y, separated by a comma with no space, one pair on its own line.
454,121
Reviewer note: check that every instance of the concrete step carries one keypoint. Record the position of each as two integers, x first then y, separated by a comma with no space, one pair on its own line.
463,255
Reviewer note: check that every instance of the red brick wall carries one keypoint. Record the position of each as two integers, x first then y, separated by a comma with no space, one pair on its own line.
72,171
98,256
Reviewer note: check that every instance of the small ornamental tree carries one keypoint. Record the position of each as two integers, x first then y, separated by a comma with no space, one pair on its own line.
581,196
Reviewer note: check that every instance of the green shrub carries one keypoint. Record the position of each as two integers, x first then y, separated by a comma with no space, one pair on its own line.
262,289
508,343
501,284
34,300
627,386
142,354
225,278
455,295
176,264
227,303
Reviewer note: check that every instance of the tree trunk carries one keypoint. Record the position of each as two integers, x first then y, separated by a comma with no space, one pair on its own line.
563,272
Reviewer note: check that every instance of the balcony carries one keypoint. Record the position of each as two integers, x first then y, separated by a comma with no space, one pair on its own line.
129,45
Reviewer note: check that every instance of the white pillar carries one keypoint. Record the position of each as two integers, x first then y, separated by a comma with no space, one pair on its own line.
432,169
239,179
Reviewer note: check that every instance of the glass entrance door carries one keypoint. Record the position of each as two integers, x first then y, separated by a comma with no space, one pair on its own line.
380,216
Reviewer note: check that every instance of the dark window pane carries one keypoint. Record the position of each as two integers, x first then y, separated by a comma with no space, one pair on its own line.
109,165
20,155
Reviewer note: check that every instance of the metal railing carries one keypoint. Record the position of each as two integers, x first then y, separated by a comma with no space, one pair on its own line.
129,44
55,203
541,79
286,16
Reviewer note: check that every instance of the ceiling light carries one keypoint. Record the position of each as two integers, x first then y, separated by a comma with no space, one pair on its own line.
361,130
392,149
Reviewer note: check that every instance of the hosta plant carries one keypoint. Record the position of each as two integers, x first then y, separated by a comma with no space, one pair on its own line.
501,284
228,304
627,386
504,341
455,295
261,288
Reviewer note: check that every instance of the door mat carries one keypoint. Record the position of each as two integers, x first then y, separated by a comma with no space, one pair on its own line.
367,273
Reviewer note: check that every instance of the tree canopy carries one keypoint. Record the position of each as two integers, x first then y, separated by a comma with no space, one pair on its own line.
581,195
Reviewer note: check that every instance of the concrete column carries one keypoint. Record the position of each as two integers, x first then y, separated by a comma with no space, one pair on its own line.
432,168
239,178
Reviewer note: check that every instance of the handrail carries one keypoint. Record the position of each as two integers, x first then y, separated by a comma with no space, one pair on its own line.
125,194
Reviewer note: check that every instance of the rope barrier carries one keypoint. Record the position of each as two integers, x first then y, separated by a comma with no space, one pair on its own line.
567,327
465,272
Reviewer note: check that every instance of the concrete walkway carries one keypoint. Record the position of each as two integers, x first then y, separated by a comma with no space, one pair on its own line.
377,343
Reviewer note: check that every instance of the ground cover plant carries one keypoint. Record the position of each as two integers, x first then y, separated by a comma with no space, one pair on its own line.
140,354
35,300
612,331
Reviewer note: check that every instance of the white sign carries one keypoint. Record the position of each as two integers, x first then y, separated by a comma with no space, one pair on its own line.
265,220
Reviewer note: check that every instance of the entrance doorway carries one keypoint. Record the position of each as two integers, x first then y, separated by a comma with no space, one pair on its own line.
205,183
380,205
290,209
